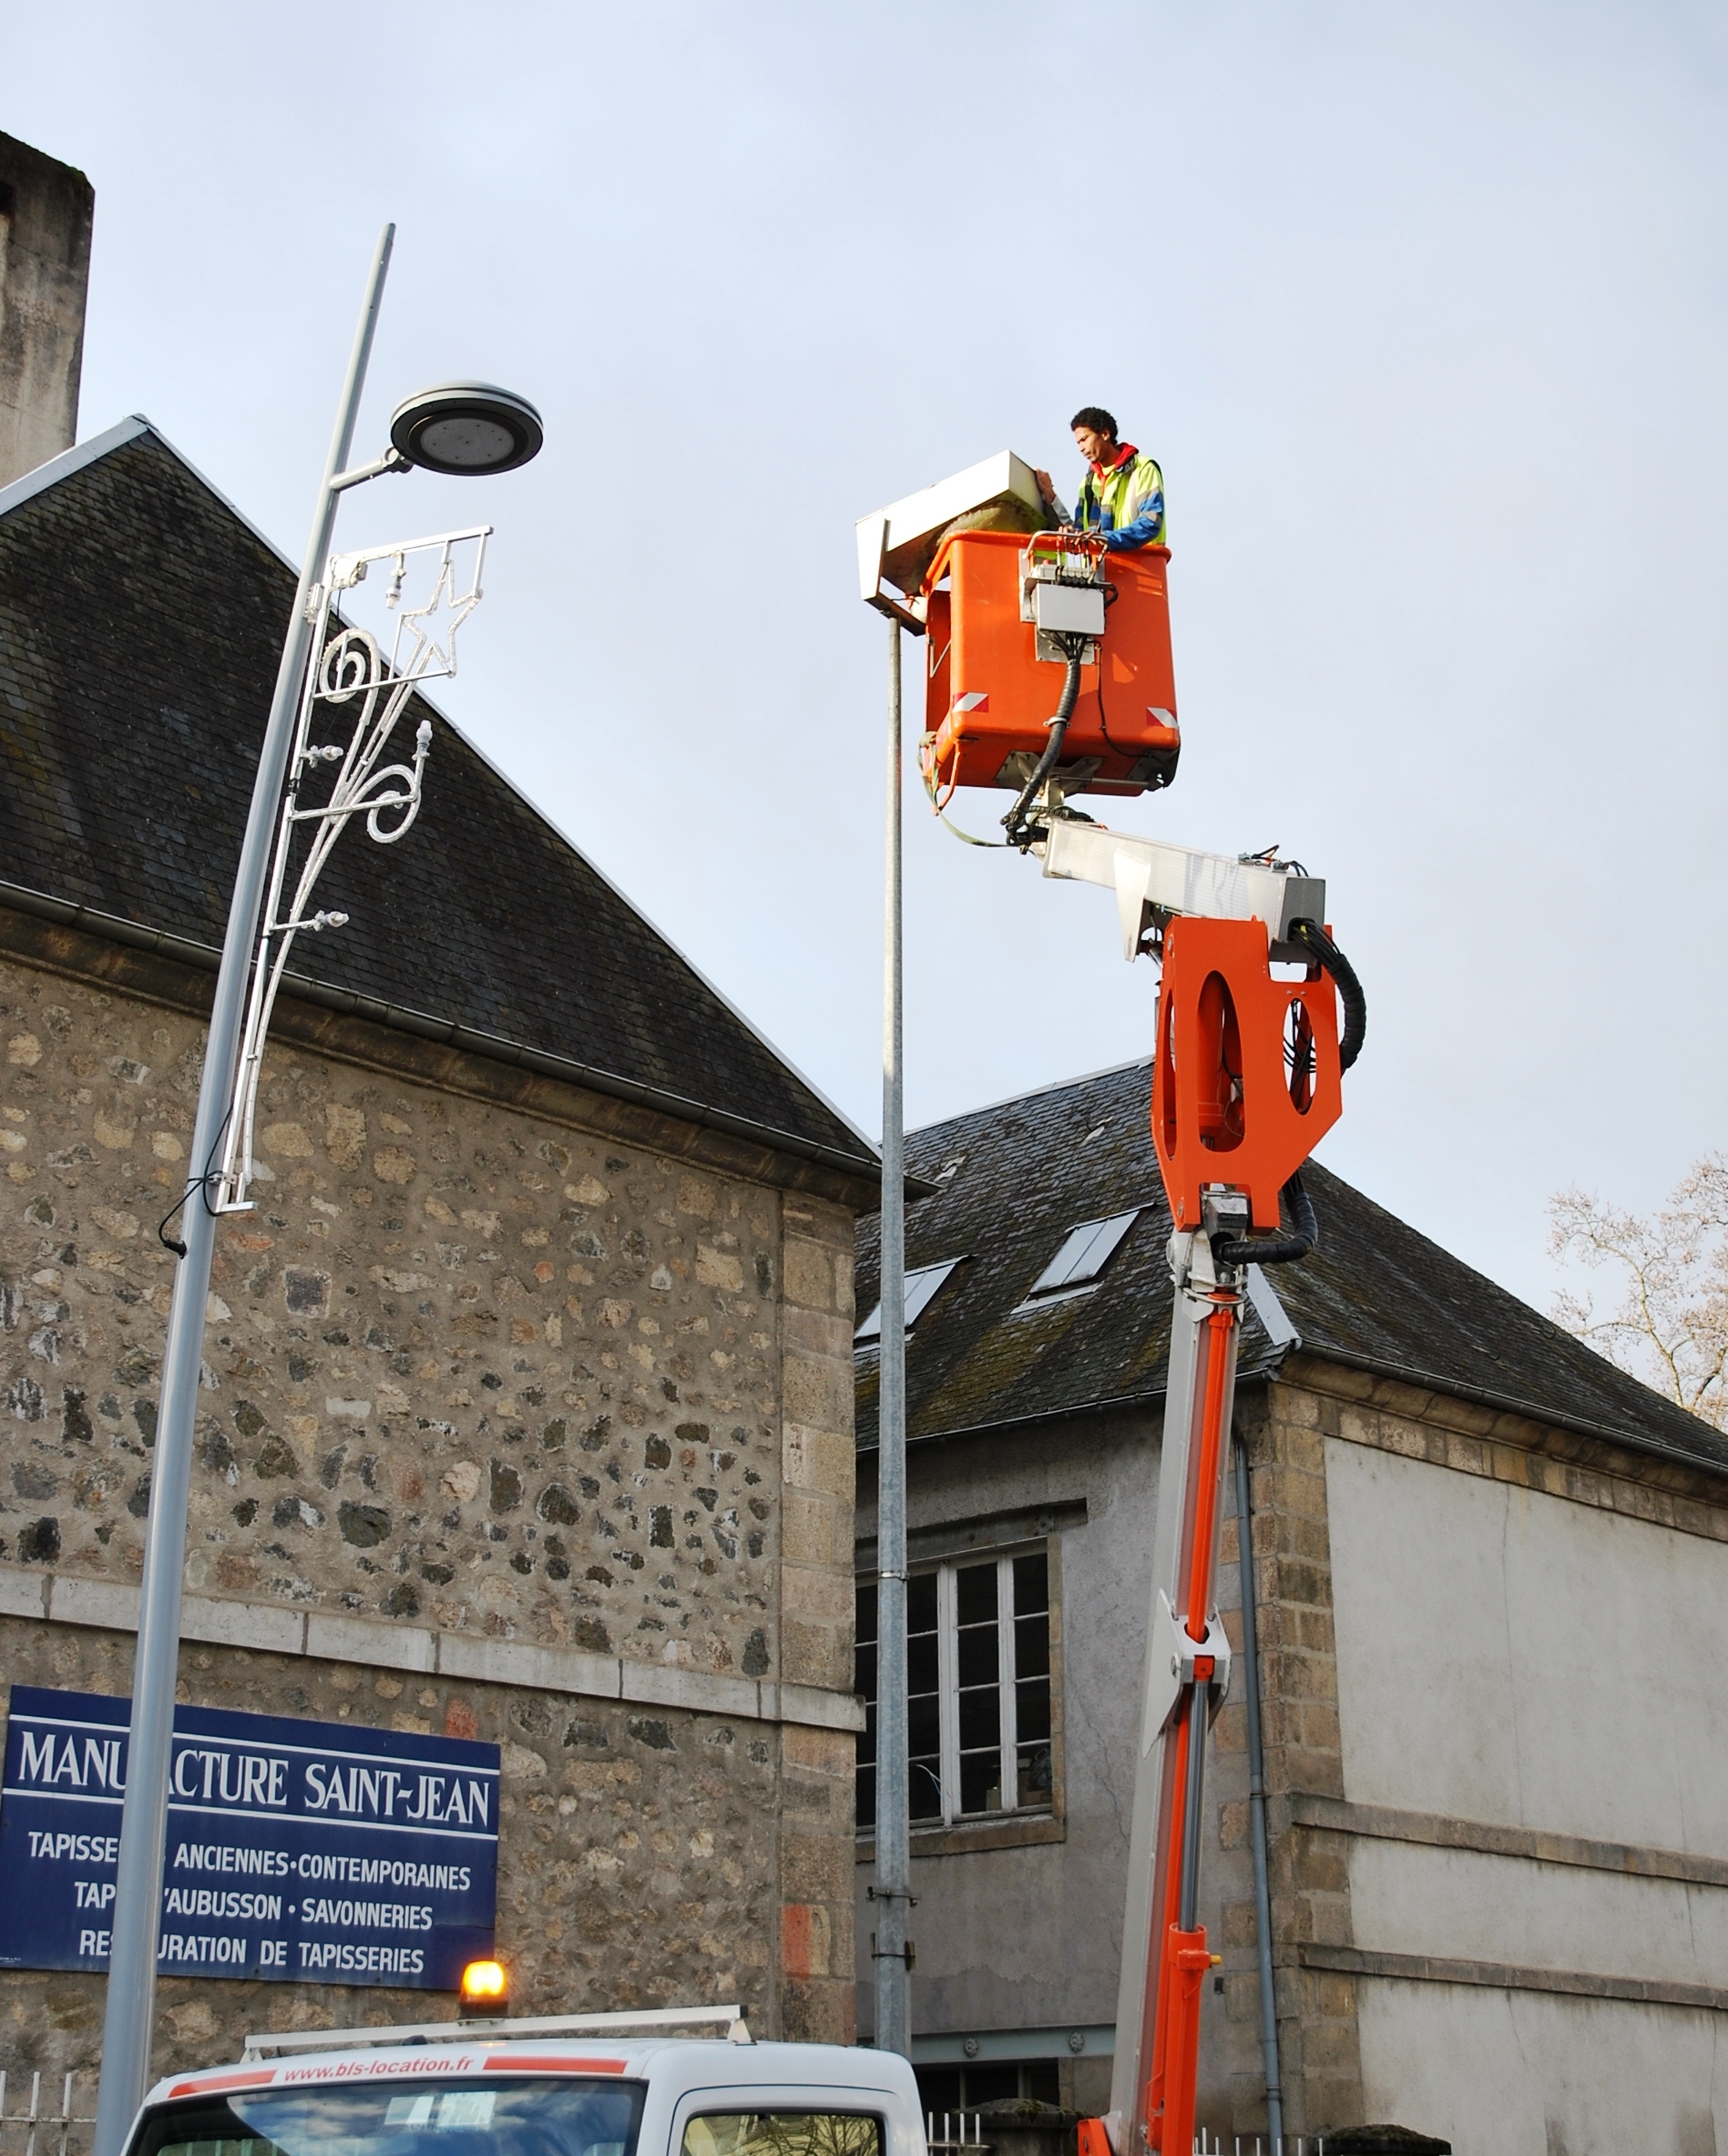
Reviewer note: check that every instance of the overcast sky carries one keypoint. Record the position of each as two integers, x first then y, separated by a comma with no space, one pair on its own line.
1423,310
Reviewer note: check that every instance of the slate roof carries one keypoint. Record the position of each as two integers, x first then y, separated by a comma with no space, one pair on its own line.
140,623
1012,1180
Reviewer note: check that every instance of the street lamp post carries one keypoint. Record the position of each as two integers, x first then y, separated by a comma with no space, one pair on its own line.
465,427
892,1889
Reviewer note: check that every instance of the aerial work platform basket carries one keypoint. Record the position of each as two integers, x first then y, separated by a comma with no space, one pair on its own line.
994,674
1006,602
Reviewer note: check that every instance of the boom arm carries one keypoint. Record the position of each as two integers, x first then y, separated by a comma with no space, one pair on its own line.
1155,882
1245,1082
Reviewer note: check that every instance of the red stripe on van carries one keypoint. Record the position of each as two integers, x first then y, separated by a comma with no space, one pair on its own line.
534,2062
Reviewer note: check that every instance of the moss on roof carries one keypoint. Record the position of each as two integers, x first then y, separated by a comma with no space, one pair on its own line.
1012,1180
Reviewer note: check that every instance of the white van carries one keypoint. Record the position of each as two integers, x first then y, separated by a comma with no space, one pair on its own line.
521,2089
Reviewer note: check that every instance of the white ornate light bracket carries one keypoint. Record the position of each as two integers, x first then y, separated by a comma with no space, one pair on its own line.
349,668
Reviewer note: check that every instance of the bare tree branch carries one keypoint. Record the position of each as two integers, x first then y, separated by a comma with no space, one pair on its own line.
1670,1326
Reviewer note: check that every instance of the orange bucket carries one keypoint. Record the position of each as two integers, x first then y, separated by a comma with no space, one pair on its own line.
989,695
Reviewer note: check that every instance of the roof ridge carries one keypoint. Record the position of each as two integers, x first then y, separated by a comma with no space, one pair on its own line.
82,454
1073,1085
677,950
28,484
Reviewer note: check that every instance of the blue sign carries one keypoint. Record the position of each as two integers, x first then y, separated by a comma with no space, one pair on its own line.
305,1852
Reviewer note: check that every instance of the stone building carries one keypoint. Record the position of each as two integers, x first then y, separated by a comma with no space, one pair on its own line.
528,1408
1491,1585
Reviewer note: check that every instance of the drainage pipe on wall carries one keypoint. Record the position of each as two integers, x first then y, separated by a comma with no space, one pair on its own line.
1257,1799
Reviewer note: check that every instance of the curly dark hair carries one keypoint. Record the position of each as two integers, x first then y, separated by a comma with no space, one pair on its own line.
1097,418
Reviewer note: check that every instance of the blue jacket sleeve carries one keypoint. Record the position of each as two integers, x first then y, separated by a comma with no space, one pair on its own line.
1146,529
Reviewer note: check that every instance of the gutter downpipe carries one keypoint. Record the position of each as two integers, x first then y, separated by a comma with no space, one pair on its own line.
1257,1801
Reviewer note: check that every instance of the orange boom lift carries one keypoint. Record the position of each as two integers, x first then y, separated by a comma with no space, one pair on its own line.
1246,1071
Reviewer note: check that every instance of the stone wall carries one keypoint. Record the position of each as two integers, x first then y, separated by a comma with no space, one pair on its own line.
816,1625
491,1368
637,1851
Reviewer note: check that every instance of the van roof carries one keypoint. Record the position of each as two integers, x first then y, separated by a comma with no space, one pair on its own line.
688,2062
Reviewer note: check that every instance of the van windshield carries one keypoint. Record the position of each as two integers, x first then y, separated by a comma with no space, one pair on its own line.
514,2115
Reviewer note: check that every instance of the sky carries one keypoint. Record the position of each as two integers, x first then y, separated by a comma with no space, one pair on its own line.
1423,311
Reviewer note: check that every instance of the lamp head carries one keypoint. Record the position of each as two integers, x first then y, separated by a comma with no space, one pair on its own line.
467,428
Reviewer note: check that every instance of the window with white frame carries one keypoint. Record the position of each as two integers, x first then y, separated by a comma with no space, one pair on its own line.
922,1285
1085,1252
978,1689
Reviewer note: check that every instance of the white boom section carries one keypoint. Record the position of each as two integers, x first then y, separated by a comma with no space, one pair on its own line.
1200,1289
1154,883
1153,880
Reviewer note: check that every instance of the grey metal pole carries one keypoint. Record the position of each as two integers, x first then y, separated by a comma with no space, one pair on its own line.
1199,1696
131,1991
894,1867
1257,1799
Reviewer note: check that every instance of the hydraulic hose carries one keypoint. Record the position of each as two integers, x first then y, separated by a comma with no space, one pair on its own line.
1014,822
1277,1250
1313,937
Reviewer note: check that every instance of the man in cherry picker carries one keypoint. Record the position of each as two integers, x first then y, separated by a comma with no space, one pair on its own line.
1122,494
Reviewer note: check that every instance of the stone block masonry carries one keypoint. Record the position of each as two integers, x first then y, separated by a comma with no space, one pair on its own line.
636,1852
483,1378
459,1369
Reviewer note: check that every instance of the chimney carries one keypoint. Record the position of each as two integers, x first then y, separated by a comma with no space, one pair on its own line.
46,213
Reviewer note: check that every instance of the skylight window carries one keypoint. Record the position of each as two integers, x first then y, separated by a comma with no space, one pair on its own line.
922,1287
1084,1255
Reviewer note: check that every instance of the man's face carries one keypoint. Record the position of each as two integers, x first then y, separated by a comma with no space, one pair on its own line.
1096,448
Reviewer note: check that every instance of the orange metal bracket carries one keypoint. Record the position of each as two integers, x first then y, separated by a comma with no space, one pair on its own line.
1230,1041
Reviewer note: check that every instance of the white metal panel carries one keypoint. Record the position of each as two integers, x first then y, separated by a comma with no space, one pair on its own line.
1073,609
1270,1311
1151,876
901,539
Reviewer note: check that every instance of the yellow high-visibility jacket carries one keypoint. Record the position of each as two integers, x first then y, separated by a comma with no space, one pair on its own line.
1126,503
